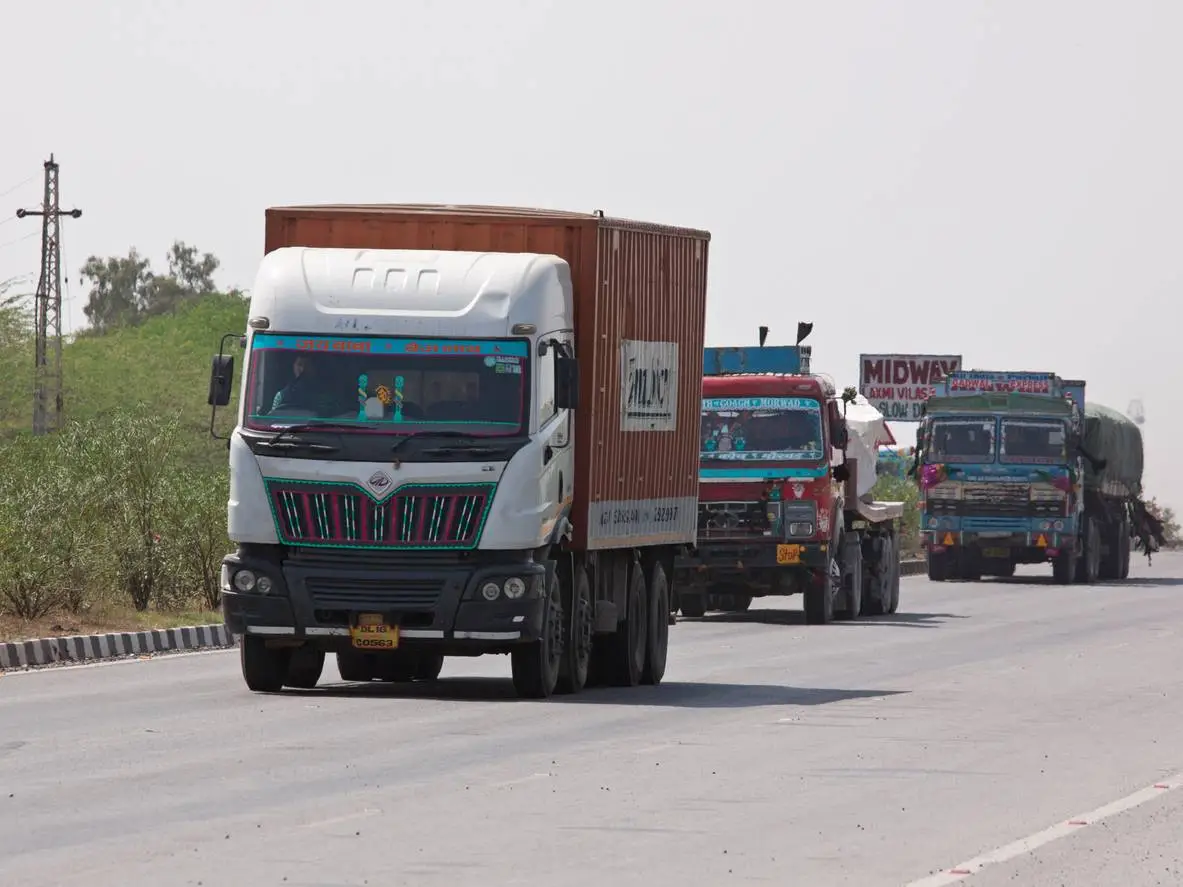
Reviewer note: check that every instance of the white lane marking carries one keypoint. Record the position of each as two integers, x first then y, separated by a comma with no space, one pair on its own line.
518,781
348,817
1033,842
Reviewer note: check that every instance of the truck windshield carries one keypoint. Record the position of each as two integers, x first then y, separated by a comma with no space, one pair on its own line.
962,440
761,429
388,385
1033,441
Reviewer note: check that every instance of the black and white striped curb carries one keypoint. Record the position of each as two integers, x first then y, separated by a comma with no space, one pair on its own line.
913,568
94,647
89,648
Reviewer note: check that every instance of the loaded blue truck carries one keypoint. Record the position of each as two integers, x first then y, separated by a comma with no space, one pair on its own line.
1018,468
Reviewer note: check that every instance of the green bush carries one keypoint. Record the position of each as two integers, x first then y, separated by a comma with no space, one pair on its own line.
111,511
890,488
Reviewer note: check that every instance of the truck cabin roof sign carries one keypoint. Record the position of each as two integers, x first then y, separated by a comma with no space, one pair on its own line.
728,361
970,382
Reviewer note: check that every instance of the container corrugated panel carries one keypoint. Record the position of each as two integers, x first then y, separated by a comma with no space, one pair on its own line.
640,316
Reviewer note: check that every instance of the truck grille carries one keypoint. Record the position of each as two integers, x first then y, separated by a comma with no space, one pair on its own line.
356,592
437,517
731,520
994,500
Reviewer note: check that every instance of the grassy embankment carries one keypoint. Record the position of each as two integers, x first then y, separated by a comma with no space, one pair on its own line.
118,521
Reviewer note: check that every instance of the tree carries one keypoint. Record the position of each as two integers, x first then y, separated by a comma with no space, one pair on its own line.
125,290
1170,524
119,290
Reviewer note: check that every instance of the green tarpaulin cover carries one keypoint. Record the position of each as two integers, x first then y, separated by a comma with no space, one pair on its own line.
1111,436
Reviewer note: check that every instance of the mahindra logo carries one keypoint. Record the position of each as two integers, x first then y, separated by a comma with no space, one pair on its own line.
379,481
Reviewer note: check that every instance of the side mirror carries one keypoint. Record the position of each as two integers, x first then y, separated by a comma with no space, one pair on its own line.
841,435
566,383
221,380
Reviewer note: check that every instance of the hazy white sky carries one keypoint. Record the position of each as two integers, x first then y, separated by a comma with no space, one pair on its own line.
997,179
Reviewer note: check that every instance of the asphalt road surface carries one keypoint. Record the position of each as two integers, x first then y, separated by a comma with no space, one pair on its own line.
972,725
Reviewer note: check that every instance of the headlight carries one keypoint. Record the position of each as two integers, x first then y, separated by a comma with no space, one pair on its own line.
1046,494
490,591
514,588
801,528
944,491
263,586
244,580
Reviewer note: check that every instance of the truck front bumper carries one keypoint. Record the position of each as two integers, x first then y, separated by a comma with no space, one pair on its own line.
764,563
1051,534
433,605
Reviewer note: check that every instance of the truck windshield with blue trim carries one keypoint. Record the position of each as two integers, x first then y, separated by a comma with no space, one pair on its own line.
761,429
968,439
388,385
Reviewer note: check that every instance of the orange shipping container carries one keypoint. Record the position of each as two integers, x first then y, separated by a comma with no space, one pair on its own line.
640,315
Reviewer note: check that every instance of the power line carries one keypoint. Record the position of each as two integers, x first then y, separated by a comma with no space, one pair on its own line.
16,186
48,350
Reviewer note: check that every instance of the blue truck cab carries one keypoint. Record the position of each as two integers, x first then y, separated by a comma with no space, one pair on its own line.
1000,470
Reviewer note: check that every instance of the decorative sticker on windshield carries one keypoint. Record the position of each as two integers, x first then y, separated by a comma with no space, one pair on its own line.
380,345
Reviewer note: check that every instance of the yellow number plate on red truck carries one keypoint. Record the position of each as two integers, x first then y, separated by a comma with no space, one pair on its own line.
788,554
372,633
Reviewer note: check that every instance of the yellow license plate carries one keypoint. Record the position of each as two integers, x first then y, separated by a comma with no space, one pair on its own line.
997,553
788,554
372,633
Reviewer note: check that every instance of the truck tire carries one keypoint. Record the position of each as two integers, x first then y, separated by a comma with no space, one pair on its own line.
355,667
694,604
852,595
1064,568
739,603
819,596
658,643
264,669
535,666
577,637
1110,567
305,668
895,584
938,566
1088,566
877,595
627,648
1126,544
428,666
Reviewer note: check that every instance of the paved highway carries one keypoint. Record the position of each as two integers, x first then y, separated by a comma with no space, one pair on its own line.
874,753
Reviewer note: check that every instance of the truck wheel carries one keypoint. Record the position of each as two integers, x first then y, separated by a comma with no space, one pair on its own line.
693,604
577,638
1110,567
659,626
394,667
630,643
878,601
938,566
305,668
1064,568
263,668
739,603
852,592
1088,567
354,667
895,584
428,666
1125,551
535,666
819,596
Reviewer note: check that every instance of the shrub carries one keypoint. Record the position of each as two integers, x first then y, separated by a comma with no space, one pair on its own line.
112,510
890,488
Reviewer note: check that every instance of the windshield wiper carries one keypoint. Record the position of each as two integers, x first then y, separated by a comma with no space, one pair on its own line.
278,439
472,449
463,435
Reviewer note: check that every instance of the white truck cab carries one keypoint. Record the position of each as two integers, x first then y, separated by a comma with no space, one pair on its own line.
403,450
